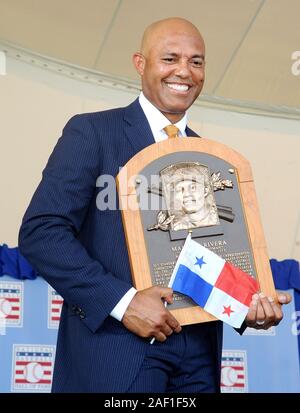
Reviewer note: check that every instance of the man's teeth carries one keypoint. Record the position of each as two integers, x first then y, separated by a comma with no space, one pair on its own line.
176,86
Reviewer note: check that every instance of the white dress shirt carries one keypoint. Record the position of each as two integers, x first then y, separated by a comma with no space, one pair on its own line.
157,122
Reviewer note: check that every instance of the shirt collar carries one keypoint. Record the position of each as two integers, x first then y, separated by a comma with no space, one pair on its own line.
157,120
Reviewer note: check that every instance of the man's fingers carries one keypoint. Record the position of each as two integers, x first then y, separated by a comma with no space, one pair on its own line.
165,292
284,298
173,323
159,336
147,315
260,314
251,316
166,329
169,299
267,314
277,311
178,328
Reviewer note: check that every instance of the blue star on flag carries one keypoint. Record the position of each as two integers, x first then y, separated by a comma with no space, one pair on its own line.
200,261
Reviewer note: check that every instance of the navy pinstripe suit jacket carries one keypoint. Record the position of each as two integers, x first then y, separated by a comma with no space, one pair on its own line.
81,250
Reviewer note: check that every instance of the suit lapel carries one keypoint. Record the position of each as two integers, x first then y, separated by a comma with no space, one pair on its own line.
137,128
191,133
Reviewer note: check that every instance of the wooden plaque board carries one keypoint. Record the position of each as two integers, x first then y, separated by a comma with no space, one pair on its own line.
198,149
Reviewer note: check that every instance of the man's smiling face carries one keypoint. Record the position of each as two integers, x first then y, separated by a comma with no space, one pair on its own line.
172,69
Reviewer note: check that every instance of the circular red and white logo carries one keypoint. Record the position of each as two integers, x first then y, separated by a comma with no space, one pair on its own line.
229,376
5,308
33,372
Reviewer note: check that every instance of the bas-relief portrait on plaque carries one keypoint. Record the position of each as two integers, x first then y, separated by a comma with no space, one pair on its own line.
188,191
189,197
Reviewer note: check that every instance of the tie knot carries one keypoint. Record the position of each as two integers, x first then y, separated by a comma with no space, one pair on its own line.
171,131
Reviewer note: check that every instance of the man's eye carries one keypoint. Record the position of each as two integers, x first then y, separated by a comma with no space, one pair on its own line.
168,59
198,63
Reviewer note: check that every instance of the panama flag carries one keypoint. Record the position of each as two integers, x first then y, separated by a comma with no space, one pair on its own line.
217,286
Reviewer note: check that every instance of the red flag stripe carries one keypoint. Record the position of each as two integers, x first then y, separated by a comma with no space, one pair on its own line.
237,283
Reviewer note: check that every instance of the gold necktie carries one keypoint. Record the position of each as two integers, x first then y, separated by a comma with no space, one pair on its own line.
172,131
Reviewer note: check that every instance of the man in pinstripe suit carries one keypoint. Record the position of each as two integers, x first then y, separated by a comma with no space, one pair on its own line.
103,342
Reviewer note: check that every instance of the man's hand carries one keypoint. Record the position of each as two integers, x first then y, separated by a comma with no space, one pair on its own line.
146,315
265,312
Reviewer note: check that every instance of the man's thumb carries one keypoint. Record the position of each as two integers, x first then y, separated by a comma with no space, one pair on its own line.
165,292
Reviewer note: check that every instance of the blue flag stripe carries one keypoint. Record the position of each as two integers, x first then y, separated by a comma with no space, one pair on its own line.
189,283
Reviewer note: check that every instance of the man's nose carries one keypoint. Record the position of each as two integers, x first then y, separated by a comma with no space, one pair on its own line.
183,69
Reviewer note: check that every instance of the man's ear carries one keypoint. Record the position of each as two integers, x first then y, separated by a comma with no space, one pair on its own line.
139,63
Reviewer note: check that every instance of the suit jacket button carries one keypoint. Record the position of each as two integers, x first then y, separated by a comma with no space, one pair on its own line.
82,315
74,308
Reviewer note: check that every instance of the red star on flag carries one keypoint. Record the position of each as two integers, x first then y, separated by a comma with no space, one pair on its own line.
227,310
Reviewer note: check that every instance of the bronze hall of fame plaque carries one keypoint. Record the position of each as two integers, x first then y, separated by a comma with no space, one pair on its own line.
198,185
